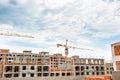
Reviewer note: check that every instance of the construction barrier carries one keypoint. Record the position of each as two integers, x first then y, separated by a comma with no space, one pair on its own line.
107,77
98,78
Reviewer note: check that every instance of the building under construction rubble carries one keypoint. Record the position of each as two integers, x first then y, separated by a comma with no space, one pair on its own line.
28,64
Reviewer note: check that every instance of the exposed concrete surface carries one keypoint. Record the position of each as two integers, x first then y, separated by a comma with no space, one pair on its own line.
116,75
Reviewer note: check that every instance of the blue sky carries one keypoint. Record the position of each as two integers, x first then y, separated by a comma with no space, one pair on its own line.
90,24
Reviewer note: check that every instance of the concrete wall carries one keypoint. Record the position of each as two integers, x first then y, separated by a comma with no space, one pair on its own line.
0,70
116,75
115,54
109,68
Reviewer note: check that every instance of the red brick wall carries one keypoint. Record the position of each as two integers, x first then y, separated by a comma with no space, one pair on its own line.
117,50
118,65
4,50
0,67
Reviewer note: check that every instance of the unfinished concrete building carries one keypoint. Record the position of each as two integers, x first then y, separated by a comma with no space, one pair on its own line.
42,64
116,56
88,66
109,68
116,60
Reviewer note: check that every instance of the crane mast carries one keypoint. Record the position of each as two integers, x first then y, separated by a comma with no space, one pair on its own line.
67,47
66,51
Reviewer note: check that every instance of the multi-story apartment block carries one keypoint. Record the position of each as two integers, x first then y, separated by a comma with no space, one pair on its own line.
42,64
116,56
88,66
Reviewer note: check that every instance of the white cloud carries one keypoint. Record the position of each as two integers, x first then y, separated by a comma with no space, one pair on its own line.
67,19
22,2
5,26
96,13
4,2
56,4
70,21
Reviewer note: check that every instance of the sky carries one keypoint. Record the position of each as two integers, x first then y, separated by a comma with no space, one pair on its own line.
92,24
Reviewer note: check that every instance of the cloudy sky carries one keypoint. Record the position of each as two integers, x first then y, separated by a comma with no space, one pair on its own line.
93,24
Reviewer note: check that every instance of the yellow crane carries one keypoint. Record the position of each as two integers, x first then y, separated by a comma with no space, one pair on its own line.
66,49
15,34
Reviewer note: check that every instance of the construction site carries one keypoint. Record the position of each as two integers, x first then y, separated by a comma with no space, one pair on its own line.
28,64
44,66
59,39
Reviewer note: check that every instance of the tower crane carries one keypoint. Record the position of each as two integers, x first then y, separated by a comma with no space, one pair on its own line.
15,34
67,47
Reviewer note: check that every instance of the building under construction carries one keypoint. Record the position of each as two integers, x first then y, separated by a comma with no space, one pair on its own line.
116,60
42,64
109,68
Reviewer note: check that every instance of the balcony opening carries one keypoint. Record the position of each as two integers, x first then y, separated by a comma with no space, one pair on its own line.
102,73
77,73
93,73
32,74
102,68
57,74
32,68
8,75
16,75
16,69
82,68
82,73
23,75
87,73
39,75
68,74
52,74
63,74
24,68
97,68
45,68
97,73
87,67
8,68
92,67
45,74
39,68
77,68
